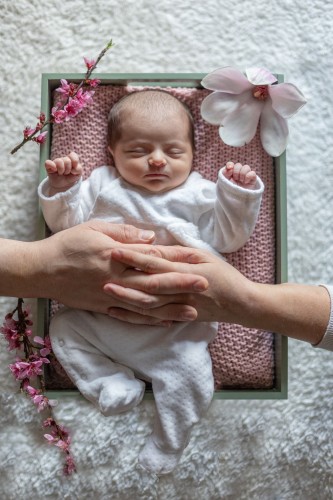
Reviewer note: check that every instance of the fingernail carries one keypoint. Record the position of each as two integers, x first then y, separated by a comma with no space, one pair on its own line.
147,235
188,316
199,286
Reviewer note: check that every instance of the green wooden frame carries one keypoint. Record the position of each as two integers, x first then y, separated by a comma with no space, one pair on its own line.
50,81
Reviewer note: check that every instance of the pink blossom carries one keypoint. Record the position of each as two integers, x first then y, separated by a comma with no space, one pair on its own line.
94,82
38,398
10,331
42,117
51,439
62,441
12,337
46,343
84,97
72,108
28,131
67,89
59,115
240,102
25,369
89,63
69,467
64,445
28,315
41,138
42,402
28,332
20,369
49,422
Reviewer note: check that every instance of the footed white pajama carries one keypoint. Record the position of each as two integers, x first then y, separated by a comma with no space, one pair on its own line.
175,360
106,358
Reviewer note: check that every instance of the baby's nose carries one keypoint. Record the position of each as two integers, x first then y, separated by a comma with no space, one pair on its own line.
157,162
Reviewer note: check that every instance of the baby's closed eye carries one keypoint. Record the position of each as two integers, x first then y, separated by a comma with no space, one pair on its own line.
174,152
137,151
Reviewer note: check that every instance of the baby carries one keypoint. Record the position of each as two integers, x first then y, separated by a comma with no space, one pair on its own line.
151,139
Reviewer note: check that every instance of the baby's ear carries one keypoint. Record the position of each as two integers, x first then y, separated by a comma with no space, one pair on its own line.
113,163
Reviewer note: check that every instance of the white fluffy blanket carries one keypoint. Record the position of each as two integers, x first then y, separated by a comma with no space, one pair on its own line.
242,450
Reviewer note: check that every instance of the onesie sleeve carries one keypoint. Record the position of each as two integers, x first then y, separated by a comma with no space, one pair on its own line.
327,340
71,207
235,213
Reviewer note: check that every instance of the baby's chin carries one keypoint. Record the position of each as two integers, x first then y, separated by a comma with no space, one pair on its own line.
158,186
155,185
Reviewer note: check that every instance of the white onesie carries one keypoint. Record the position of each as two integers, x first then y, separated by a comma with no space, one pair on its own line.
108,359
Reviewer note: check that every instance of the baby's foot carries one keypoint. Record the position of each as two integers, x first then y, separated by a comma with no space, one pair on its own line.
157,461
119,394
241,175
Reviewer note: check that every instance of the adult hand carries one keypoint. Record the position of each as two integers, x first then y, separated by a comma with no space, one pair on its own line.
157,289
73,265
294,310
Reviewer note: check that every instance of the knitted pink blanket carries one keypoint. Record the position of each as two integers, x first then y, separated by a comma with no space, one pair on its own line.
242,358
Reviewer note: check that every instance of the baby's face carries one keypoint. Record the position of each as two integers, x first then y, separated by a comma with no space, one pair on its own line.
154,153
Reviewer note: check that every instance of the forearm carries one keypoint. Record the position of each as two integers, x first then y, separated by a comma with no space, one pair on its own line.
21,269
298,311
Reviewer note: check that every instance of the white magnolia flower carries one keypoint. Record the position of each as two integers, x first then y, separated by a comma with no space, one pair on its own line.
238,102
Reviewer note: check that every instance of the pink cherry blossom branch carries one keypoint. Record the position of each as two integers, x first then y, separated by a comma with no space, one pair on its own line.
31,357
75,98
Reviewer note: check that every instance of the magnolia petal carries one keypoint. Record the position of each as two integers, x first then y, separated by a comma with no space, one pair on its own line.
260,76
239,127
287,99
216,106
273,131
228,79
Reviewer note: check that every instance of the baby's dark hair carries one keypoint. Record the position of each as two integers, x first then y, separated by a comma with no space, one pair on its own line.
154,100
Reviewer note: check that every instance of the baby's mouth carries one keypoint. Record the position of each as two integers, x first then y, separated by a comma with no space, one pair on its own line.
156,174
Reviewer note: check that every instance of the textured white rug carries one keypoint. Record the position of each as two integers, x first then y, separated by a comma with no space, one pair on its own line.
242,450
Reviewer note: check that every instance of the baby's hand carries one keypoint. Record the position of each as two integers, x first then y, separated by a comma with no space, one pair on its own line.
239,174
63,172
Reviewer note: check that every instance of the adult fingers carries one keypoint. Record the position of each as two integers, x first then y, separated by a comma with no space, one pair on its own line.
162,277
167,283
137,319
184,255
143,300
177,254
168,313
123,233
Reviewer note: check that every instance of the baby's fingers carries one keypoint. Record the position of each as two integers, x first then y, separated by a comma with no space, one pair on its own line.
60,165
250,179
74,157
228,170
50,167
241,172
67,165
76,167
